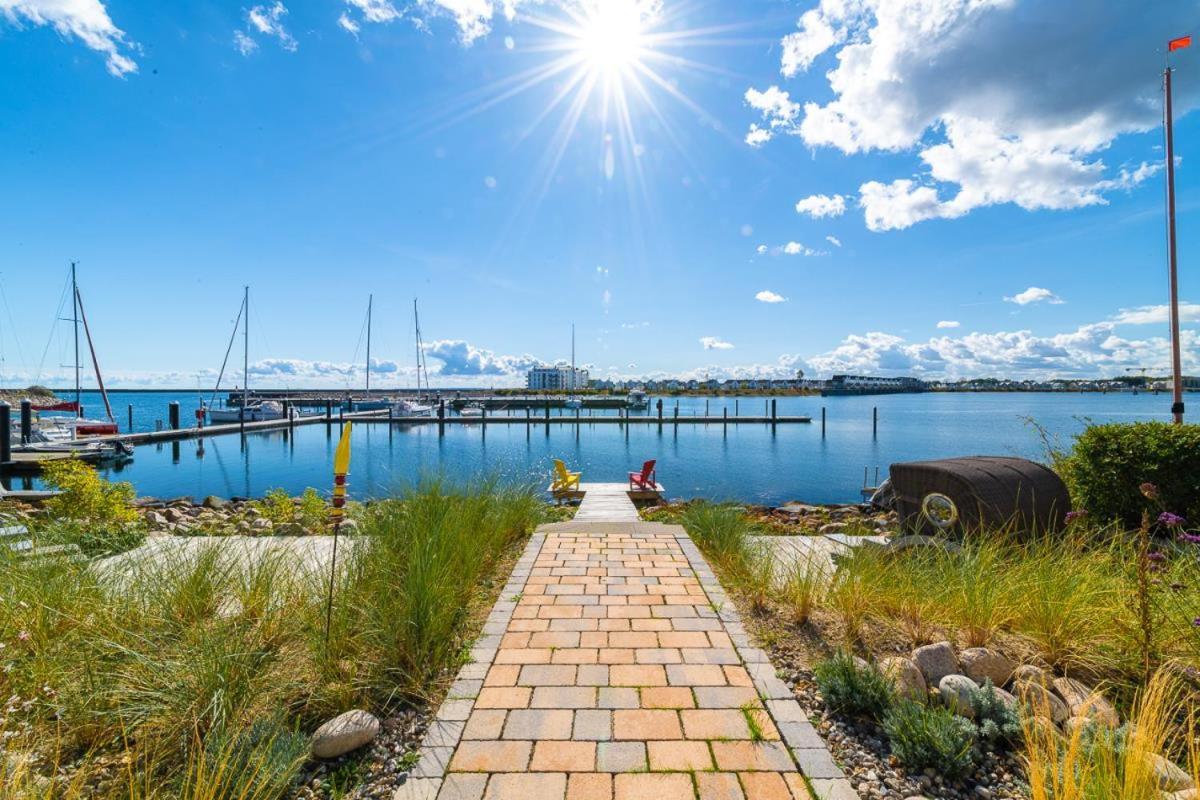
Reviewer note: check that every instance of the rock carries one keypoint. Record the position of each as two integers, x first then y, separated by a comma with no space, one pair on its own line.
955,691
979,663
1170,777
935,661
173,514
1084,702
1186,794
262,524
1028,673
290,529
349,526
832,527
905,676
155,518
214,502
343,733
1005,697
1042,702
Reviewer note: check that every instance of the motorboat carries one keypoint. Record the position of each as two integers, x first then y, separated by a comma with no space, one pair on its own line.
637,400
471,410
411,408
573,403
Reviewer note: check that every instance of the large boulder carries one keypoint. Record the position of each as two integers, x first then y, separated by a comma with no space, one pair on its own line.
1169,776
1041,702
935,661
979,663
215,503
1083,702
343,733
955,692
1028,673
905,675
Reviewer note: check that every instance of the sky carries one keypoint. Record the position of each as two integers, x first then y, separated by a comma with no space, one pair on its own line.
724,188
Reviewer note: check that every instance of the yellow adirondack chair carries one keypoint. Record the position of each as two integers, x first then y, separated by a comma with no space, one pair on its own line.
564,480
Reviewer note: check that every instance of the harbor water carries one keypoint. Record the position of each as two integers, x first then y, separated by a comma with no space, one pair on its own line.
750,463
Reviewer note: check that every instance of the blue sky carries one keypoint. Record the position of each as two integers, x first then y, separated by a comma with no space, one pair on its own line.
974,189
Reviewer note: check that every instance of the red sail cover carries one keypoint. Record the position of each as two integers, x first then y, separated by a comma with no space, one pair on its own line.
1179,44
64,406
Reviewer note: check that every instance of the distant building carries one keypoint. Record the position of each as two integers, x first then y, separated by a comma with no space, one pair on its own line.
867,384
554,379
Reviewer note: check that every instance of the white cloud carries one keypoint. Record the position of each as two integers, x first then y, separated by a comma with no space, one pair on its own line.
265,20
86,20
767,296
762,249
833,240
948,323
789,249
963,84
1156,315
1035,294
715,343
818,206
776,108
347,24
462,358
1092,350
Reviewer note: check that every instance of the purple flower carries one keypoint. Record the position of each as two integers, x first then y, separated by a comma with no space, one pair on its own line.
1196,622
1074,515
1156,556
1170,520
1149,491
1190,538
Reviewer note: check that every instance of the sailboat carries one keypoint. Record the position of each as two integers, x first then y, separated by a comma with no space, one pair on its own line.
367,404
247,411
416,407
573,401
67,434
57,429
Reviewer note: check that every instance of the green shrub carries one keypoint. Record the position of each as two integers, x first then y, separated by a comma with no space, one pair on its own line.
923,736
92,539
277,506
997,722
312,512
1109,462
721,531
852,689
86,497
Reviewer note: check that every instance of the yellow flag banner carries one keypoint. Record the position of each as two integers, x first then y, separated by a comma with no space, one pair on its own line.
341,468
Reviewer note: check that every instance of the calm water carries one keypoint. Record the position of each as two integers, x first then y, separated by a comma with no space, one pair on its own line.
747,463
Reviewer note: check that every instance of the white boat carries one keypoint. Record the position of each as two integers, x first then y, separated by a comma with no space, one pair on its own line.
471,410
637,400
255,412
411,408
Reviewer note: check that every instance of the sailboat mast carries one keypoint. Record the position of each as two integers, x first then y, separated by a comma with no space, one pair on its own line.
75,314
417,339
95,362
245,352
370,302
572,356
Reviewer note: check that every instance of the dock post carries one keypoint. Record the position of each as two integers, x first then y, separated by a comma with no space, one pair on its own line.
725,419
774,410
483,416
874,421
822,422
5,433
26,420
328,411
706,407
736,406
173,414
677,418
131,417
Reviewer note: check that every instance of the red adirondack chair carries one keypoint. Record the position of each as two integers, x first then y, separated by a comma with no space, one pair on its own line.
644,480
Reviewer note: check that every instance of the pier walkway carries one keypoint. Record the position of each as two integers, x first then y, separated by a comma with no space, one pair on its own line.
614,667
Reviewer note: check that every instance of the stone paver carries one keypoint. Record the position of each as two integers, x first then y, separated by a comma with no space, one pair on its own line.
616,668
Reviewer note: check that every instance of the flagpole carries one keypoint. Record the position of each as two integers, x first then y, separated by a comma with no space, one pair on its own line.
1177,372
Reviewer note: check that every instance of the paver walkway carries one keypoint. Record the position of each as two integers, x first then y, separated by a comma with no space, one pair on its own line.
613,667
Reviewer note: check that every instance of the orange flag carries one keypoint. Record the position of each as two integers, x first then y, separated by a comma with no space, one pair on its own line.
1179,44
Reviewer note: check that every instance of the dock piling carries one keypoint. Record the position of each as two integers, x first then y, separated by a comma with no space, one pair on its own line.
5,433
26,420
328,411
131,417
774,410
874,421
173,414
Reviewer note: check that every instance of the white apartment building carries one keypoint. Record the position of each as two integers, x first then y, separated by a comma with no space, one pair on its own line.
550,379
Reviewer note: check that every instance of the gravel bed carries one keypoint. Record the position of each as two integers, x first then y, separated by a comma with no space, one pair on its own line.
374,773
861,748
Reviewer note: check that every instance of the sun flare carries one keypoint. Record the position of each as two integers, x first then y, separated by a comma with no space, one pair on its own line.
610,36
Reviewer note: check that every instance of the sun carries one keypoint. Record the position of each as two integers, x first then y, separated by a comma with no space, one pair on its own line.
609,35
